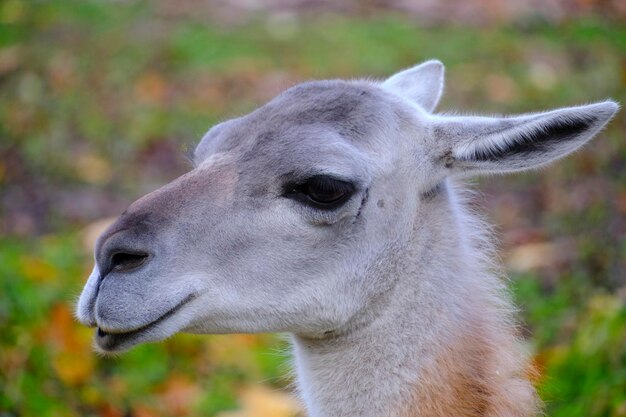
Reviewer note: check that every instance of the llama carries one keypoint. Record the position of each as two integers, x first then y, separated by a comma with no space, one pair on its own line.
335,213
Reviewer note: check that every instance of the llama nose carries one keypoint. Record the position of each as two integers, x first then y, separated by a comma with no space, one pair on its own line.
128,244
124,260
123,251
118,255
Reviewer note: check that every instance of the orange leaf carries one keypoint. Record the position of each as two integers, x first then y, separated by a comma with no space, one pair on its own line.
73,360
110,411
179,394
150,88
259,401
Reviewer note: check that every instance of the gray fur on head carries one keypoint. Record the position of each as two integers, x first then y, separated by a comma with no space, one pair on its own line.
332,213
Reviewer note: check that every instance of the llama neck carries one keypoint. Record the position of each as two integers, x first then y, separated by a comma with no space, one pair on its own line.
440,345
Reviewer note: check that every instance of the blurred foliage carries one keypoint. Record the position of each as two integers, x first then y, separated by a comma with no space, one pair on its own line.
580,344
47,367
98,99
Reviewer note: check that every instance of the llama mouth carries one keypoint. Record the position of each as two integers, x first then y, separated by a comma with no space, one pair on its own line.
110,341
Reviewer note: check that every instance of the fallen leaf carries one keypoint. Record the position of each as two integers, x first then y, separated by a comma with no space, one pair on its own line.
72,359
110,411
150,88
179,394
260,401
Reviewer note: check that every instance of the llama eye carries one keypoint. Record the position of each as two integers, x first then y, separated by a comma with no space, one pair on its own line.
321,191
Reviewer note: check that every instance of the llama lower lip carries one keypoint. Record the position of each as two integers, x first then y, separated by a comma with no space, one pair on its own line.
110,341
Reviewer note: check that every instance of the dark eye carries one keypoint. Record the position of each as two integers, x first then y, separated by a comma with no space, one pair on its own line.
321,191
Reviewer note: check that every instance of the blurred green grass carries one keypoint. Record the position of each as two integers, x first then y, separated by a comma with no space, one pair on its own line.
97,99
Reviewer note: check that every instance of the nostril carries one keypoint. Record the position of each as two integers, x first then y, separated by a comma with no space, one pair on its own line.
124,261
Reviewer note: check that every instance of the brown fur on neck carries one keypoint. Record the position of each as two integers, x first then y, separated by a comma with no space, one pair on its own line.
481,372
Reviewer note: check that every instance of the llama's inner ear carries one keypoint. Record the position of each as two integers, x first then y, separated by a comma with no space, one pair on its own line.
508,144
422,84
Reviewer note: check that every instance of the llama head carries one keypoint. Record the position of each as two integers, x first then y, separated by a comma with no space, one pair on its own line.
292,209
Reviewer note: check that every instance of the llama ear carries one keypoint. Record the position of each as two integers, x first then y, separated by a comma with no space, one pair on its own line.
509,144
422,84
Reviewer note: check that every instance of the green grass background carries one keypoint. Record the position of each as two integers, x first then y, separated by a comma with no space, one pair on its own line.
99,100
